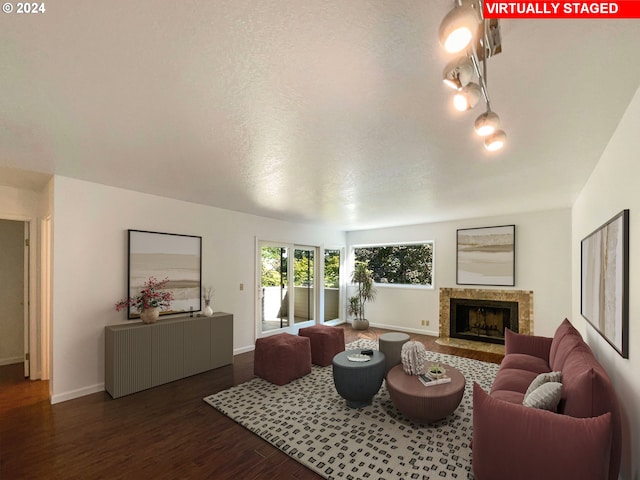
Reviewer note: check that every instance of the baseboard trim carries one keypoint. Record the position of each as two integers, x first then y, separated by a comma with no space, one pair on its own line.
11,360
248,348
80,392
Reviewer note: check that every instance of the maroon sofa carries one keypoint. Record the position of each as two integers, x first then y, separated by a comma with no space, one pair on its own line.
582,440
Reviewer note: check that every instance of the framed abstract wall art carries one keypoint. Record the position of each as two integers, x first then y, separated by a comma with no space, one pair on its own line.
604,292
486,256
166,255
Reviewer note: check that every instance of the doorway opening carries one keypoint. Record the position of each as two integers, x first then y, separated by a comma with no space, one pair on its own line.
287,287
14,297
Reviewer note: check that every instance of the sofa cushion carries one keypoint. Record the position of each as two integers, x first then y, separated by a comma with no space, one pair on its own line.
525,362
513,380
542,444
529,344
544,378
588,391
565,339
546,396
508,396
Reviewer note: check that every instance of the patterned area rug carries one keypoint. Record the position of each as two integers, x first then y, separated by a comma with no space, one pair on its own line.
309,421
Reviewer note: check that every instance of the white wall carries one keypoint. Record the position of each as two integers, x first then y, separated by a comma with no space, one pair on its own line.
90,267
612,187
543,265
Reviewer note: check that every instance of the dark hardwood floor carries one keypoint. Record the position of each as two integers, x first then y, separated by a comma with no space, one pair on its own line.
167,432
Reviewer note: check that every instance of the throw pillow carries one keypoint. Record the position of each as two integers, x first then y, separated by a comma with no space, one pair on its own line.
544,378
545,397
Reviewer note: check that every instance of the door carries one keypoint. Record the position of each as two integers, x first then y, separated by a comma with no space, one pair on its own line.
304,285
332,262
274,287
14,267
287,287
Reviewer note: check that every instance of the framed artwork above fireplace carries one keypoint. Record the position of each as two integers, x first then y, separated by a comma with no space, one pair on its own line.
486,256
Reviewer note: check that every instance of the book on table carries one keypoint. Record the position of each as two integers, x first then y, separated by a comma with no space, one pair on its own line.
428,381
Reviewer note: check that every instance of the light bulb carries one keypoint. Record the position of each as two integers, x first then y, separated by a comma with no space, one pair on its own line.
458,28
467,97
486,124
495,141
458,73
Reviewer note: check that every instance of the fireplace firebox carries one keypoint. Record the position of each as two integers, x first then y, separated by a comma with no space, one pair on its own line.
482,320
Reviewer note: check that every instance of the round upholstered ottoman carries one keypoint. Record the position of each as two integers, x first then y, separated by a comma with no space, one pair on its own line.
391,345
358,382
422,403
281,358
326,343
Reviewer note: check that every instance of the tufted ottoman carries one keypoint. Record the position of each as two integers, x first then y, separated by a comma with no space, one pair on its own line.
282,358
326,343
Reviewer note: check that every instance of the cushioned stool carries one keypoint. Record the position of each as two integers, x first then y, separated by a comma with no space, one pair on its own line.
326,342
282,358
391,345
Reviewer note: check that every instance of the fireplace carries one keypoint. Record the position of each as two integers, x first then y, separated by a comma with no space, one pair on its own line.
482,320
485,322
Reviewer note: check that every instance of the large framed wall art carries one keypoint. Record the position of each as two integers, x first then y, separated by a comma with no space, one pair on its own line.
486,256
166,255
604,293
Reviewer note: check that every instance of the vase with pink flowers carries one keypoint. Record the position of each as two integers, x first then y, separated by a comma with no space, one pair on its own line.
150,301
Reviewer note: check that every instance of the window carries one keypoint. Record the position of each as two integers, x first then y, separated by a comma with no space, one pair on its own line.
404,264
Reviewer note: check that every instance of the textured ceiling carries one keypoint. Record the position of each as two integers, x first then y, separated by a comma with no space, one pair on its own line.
329,112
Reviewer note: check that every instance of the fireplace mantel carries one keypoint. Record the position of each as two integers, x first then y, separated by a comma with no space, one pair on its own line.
523,297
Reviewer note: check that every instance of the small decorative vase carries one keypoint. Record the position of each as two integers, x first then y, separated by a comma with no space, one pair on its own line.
150,315
413,356
207,311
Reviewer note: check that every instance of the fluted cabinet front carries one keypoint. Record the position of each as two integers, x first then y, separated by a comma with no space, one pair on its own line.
140,356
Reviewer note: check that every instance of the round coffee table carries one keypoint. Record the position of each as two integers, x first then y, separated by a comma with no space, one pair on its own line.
422,403
358,382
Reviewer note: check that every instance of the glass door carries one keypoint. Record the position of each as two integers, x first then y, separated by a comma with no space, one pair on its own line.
331,284
303,284
274,287
287,292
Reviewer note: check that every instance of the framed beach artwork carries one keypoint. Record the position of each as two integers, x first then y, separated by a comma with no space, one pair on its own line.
166,255
486,256
604,292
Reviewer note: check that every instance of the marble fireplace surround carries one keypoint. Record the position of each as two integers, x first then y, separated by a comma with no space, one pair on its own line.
523,297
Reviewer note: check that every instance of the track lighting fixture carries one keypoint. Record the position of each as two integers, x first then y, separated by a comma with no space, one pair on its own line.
465,29
458,72
458,28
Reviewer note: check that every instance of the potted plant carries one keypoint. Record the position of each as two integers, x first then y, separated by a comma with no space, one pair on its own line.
151,299
363,278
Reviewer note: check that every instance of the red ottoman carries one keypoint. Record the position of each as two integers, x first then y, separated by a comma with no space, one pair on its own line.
282,358
326,343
